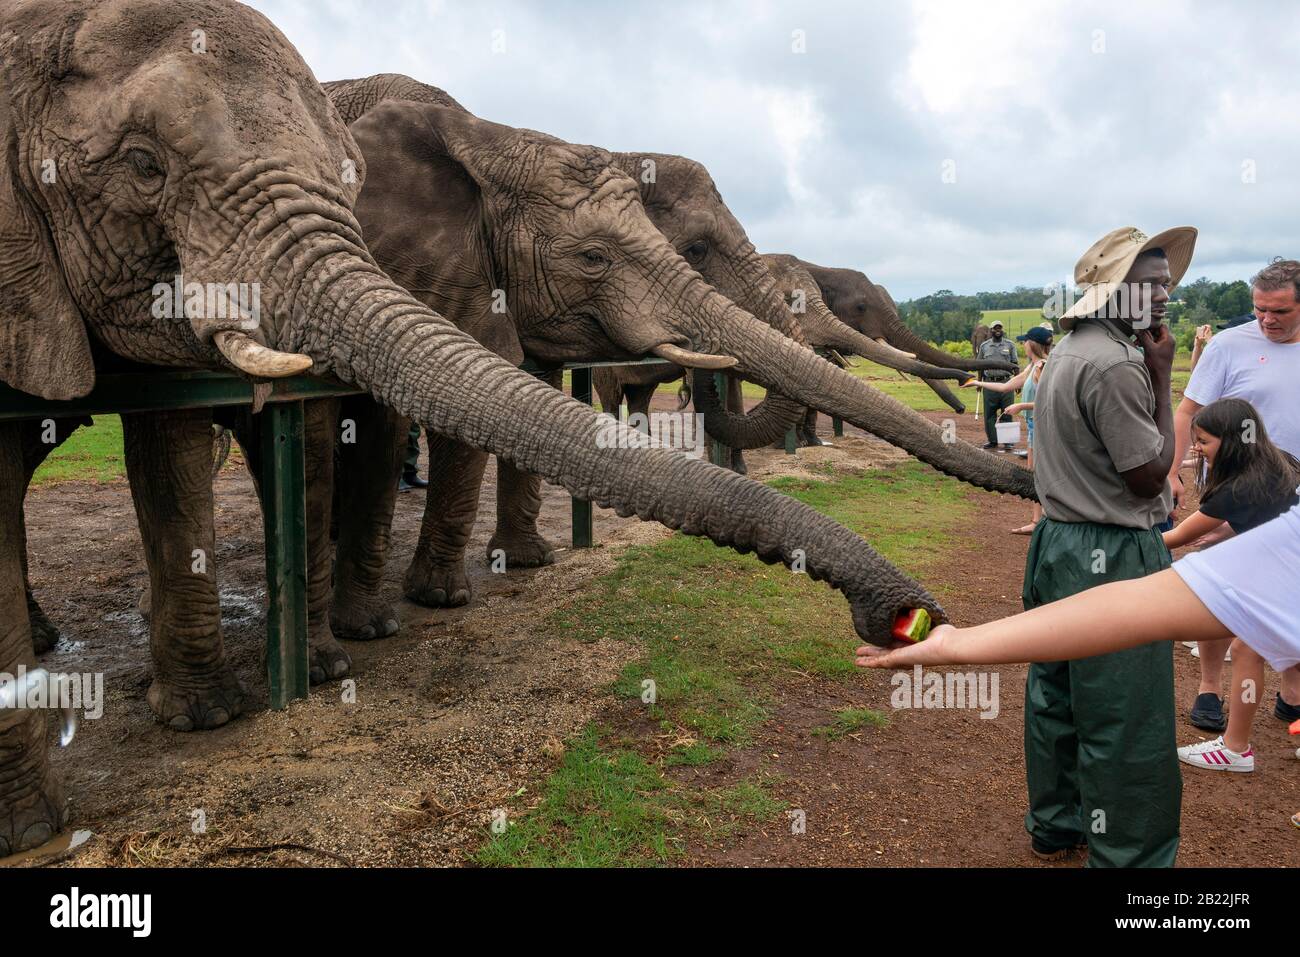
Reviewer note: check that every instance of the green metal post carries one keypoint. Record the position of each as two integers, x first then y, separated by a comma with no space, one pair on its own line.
583,530
284,512
719,454
791,442
838,425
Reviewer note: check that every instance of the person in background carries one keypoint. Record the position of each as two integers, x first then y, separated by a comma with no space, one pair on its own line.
1251,481
1258,361
410,466
1246,586
1000,349
1038,344
1100,733
1203,336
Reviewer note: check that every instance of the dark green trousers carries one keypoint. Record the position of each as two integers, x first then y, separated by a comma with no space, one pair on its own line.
411,463
994,403
1100,744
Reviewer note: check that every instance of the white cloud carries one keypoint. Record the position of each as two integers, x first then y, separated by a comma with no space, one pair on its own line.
835,154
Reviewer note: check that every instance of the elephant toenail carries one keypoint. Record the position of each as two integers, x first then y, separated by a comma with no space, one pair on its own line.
181,722
36,835
390,626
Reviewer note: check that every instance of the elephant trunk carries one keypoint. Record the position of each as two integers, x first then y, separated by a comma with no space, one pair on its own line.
770,359
336,306
904,338
824,329
775,415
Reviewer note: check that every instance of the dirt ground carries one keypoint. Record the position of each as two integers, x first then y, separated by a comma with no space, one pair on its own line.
465,710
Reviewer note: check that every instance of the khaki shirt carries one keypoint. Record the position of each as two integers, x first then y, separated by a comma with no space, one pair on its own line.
1095,418
1004,351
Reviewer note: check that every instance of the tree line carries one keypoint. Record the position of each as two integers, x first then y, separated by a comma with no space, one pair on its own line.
945,317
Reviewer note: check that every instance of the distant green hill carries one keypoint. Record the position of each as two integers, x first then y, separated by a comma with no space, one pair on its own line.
1015,321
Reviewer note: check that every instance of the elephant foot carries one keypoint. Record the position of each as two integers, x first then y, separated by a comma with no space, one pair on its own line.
363,619
522,549
196,706
738,462
33,819
438,585
44,634
329,661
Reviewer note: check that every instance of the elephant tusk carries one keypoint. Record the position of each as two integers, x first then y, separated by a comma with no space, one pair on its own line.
257,360
885,343
842,361
693,360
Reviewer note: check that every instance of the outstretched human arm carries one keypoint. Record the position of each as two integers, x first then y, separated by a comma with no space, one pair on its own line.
1100,620
1011,385
1190,529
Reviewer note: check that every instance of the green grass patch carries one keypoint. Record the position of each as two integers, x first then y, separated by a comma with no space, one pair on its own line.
91,454
606,806
850,721
717,630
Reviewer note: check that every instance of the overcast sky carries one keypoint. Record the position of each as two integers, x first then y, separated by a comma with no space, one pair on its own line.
1058,122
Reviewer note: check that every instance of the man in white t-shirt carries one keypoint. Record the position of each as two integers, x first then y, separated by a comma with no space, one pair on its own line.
1258,362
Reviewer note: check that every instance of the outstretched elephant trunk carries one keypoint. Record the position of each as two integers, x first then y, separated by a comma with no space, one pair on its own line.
902,336
774,361
356,324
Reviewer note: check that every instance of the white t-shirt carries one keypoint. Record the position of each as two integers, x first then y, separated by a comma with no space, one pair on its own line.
1249,584
1242,363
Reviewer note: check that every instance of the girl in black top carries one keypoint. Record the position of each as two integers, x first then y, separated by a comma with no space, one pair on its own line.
1250,479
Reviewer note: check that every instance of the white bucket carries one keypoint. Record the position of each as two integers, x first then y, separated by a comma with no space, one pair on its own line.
1009,432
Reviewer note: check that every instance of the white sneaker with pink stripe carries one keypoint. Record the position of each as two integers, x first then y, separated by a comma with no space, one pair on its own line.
1216,756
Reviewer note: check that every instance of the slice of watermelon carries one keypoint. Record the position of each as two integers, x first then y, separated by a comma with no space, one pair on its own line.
912,626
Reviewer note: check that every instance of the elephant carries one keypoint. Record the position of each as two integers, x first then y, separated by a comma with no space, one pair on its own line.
188,137
432,221
868,308
979,335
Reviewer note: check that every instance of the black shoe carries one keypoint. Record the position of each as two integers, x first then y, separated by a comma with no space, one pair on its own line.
1207,712
1285,712
411,480
1051,852
989,445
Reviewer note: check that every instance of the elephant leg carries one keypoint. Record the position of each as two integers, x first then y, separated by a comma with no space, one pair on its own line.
436,577
519,502
368,469
327,659
169,463
943,392
808,430
36,448
32,806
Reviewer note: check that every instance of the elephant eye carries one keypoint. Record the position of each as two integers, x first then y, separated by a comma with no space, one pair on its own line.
695,252
143,163
594,259
862,307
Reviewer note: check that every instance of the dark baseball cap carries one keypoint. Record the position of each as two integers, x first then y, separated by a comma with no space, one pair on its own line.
1038,334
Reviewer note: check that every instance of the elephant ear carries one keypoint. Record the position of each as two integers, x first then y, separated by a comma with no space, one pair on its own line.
424,206
44,348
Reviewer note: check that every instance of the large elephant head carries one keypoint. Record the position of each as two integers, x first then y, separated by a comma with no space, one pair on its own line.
544,248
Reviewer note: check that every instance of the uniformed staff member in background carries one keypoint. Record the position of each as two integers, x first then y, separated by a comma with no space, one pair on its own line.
1001,349
1100,732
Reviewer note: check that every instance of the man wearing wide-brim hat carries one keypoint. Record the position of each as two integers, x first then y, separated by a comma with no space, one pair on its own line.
1100,742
